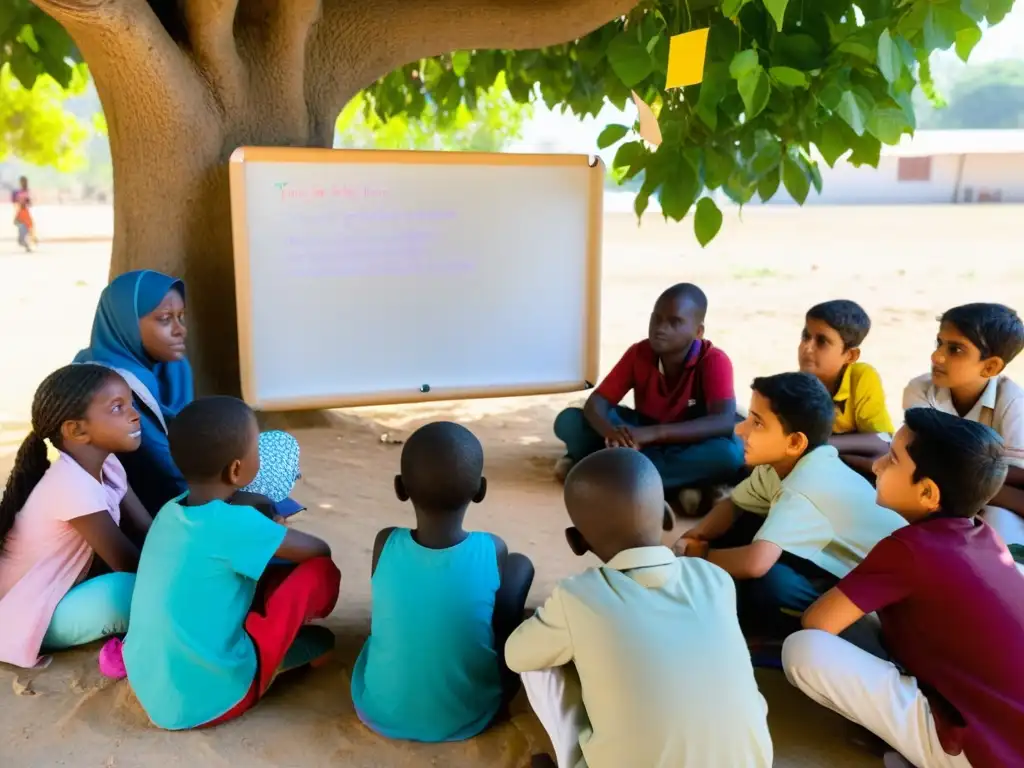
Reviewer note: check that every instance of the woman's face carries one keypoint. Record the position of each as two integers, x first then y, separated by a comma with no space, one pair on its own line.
163,330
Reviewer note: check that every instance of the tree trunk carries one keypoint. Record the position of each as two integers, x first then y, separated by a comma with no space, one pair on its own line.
182,91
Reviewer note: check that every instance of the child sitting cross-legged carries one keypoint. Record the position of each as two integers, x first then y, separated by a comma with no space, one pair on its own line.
951,606
802,520
444,601
638,661
830,350
211,625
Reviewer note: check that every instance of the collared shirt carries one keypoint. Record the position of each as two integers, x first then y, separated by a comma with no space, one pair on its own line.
665,672
1001,406
823,511
707,378
860,402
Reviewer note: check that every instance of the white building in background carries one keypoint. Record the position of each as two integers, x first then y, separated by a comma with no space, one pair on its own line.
930,167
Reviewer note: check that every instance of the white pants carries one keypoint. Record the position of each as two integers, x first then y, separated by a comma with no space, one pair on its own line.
868,691
1006,524
557,699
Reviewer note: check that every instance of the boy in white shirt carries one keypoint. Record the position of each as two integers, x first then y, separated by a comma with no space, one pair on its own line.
975,343
638,662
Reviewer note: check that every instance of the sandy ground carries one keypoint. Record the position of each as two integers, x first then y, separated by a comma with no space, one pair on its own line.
905,265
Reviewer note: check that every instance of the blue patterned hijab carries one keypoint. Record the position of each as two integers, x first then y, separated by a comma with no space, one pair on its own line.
116,340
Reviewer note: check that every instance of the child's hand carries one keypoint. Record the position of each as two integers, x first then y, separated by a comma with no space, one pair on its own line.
689,547
620,437
645,436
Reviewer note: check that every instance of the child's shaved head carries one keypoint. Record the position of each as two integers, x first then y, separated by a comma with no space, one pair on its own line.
616,501
442,466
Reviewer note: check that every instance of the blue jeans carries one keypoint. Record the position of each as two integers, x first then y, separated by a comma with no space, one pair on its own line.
96,608
684,465
773,603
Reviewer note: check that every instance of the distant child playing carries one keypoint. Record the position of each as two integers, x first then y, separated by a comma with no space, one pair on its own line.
830,350
21,199
951,605
55,516
205,643
444,602
802,520
638,662
975,344
685,402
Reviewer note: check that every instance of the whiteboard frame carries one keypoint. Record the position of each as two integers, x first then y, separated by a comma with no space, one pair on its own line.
243,284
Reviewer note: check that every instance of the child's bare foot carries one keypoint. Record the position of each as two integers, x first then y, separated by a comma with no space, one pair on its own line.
562,467
542,761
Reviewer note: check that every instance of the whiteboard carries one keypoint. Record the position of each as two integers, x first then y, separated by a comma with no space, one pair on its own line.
367,277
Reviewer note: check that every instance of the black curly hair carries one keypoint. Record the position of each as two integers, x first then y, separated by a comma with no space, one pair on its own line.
63,396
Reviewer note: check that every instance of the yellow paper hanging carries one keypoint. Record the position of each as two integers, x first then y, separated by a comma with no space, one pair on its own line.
686,58
649,130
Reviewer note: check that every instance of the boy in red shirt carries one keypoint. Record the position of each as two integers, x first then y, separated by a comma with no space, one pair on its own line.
951,605
685,401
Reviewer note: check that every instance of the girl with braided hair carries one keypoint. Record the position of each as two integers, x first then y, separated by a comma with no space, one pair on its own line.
63,505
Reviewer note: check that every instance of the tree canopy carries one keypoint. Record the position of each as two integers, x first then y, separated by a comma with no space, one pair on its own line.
34,124
785,82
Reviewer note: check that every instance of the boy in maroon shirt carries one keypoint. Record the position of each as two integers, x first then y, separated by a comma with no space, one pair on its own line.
951,605
685,401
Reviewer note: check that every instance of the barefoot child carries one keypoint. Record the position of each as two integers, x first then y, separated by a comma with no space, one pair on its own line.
55,516
975,344
951,605
685,402
638,662
204,643
444,602
830,350
802,520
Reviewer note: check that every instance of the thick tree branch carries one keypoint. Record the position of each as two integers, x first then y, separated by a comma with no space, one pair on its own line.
211,33
357,43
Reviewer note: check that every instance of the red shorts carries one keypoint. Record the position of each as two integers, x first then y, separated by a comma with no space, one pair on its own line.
291,597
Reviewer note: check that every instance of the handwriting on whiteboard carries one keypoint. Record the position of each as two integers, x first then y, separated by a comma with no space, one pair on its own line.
290,191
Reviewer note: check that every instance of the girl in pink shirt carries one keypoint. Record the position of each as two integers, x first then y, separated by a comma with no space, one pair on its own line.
55,516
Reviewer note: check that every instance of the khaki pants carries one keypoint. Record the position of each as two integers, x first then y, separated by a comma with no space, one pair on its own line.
868,691
557,699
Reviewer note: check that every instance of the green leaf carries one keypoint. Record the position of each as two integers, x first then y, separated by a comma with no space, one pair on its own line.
629,154
768,185
941,25
28,37
788,76
460,62
800,51
712,91
24,65
887,124
611,134
707,221
815,172
890,60
767,158
976,9
867,150
679,191
997,11
629,59
718,166
795,179
831,143
966,39
730,8
743,63
777,8
755,90
854,109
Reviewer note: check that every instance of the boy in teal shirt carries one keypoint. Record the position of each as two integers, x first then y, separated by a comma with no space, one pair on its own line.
202,646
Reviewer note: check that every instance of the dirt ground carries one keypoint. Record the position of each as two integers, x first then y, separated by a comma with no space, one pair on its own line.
905,265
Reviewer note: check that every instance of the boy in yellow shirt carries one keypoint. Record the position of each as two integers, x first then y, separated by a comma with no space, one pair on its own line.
830,350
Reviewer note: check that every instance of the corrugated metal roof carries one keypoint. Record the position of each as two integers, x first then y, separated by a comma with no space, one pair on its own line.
959,143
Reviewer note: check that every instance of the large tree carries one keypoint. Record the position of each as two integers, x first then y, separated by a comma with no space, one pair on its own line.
35,126
184,82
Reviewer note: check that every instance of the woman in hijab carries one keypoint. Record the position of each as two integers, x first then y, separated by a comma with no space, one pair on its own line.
140,331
